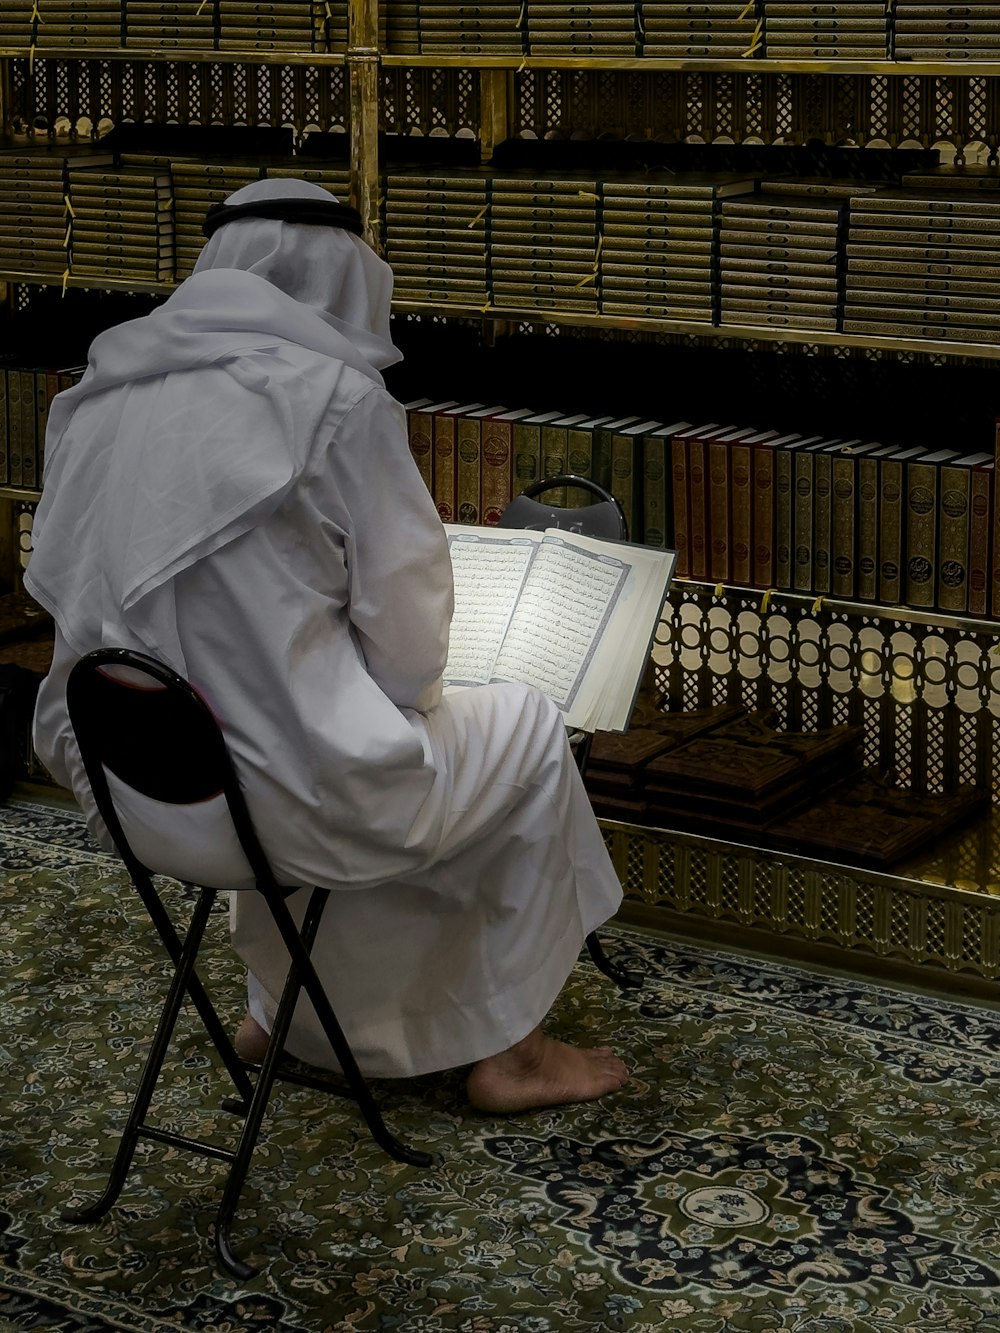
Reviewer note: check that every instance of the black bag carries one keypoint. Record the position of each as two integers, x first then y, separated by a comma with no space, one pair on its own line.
18,689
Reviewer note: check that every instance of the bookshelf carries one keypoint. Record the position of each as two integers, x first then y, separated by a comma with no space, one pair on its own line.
924,685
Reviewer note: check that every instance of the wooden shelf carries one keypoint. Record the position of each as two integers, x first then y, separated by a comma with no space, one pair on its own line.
173,55
514,61
88,281
708,332
712,333
645,64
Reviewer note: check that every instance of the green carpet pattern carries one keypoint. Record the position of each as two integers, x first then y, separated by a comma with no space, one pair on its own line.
794,1152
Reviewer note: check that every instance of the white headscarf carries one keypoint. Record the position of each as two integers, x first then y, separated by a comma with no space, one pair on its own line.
331,271
220,393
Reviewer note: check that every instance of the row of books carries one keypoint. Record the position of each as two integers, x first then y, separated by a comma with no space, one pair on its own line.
721,248
88,211
682,29
858,30
158,25
726,772
850,519
25,394
914,260
670,29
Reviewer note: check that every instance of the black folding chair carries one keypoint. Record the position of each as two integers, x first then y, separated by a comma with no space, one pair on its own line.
605,519
156,734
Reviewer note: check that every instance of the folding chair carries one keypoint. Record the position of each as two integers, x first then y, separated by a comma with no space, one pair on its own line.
150,729
604,519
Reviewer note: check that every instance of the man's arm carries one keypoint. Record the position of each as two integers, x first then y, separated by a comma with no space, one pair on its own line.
401,590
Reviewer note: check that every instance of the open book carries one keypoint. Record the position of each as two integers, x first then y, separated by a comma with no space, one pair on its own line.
572,615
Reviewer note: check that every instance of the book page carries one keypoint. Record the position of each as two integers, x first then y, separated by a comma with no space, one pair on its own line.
565,603
489,572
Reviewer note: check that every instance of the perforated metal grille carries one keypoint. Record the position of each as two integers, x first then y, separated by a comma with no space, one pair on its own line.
772,107
430,101
910,923
928,697
89,92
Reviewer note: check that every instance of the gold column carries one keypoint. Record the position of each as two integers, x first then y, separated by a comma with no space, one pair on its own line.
495,92
363,81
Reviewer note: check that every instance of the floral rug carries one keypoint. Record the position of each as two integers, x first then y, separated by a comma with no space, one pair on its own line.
794,1152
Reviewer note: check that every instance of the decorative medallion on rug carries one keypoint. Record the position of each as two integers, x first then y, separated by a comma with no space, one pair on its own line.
794,1153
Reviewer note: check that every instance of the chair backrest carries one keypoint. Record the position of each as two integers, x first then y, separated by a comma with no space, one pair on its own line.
605,518
138,719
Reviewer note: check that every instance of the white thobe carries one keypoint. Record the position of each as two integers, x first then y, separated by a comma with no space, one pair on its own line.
454,828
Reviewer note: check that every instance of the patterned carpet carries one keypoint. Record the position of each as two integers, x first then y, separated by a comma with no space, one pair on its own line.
794,1153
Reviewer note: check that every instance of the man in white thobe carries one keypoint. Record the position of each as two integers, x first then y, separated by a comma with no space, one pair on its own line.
229,489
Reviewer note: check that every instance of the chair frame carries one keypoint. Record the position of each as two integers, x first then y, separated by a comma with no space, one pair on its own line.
252,1095
558,517
575,520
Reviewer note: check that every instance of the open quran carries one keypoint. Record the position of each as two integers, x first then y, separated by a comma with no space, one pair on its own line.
571,615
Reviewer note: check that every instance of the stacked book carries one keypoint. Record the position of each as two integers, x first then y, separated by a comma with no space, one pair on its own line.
197,186
779,252
335,177
854,30
616,769
121,222
933,31
922,264
399,27
463,29
438,27
658,243
19,24
681,31
544,241
331,25
733,780
166,24
266,25
436,236
603,29
34,222
25,395
61,23
868,821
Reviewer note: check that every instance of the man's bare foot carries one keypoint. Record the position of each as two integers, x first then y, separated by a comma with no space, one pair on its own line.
250,1040
540,1071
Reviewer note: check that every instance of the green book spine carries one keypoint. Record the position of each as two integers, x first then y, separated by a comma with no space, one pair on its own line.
419,433
626,480
843,527
802,539
527,454
4,430
656,500
867,529
14,427
980,521
445,458
468,470
720,496
822,521
890,553
783,494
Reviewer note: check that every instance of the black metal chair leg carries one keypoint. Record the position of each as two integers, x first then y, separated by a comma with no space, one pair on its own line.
199,997
626,978
623,977
300,949
345,1057
257,1108
179,985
